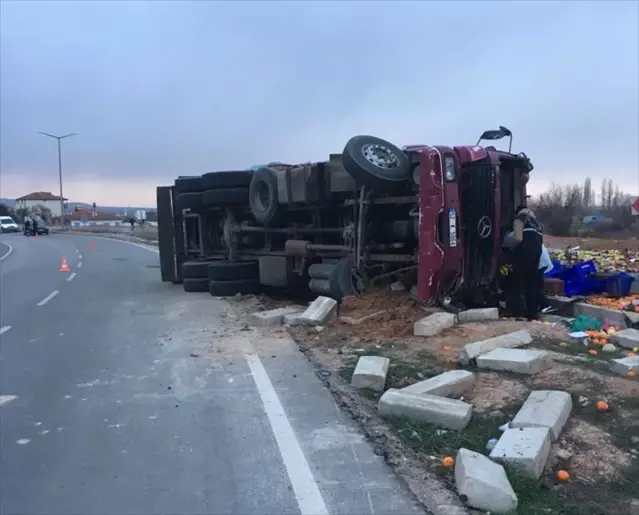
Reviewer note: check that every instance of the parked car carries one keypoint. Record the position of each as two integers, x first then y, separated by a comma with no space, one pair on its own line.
8,224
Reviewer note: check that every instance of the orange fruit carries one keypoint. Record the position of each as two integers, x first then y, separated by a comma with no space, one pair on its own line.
592,352
448,462
602,406
632,373
563,475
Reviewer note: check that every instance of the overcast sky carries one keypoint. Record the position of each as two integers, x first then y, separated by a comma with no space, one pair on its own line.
157,89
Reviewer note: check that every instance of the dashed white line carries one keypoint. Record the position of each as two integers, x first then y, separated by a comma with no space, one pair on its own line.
48,297
79,265
6,254
307,493
70,278
4,329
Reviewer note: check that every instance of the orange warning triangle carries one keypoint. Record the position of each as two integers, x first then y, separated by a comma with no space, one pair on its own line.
91,244
64,267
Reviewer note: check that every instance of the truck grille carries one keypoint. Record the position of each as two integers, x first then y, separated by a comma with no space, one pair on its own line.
478,223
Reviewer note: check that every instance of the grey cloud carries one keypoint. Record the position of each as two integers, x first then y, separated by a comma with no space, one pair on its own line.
160,88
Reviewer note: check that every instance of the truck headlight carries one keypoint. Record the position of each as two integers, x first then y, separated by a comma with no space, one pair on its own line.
450,171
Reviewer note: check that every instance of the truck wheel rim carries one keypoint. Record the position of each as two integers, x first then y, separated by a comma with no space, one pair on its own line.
380,155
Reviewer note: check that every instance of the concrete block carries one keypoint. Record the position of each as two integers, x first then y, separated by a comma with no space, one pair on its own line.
272,317
483,483
545,408
370,372
520,361
612,316
510,341
478,315
527,448
290,318
434,324
448,413
453,383
632,319
321,311
628,338
624,365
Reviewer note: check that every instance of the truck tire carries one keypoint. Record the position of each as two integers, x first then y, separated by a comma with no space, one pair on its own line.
233,270
225,197
215,180
196,285
263,197
192,201
230,288
188,185
195,269
375,162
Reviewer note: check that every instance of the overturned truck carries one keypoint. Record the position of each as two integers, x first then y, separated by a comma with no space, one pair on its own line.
429,216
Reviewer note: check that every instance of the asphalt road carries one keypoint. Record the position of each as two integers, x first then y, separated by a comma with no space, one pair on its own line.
123,395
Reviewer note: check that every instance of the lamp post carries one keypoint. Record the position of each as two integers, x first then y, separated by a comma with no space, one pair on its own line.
59,138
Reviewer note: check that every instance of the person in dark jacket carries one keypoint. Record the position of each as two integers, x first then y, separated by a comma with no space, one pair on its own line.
527,232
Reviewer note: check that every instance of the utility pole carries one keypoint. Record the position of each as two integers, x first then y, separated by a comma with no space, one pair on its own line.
59,138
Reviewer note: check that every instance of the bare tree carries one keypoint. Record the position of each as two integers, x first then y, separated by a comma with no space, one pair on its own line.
588,194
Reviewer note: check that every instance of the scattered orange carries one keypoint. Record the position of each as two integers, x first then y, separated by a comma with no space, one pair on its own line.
632,373
448,461
563,475
602,406
592,352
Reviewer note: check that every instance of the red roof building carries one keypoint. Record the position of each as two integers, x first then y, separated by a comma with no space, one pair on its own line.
40,196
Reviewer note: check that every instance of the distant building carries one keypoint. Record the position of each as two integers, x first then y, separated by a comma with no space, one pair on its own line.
41,198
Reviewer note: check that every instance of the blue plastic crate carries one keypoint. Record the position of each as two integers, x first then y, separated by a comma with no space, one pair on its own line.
619,285
581,270
575,287
557,270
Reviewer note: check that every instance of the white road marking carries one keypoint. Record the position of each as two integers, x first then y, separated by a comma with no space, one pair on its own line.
23,441
44,432
79,265
4,329
70,278
307,493
7,252
48,297
7,398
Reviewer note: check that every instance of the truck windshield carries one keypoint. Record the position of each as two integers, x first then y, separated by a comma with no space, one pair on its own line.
6,220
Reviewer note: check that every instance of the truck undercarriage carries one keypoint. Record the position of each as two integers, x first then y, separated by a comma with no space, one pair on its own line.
432,217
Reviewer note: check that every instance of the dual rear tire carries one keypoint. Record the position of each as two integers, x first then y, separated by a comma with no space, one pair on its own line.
221,278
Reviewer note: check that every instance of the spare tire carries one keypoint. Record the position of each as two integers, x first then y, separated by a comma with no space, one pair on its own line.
214,180
225,197
192,201
375,162
263,197
188,184
231,270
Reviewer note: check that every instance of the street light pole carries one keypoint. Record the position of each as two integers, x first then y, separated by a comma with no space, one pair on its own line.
59,138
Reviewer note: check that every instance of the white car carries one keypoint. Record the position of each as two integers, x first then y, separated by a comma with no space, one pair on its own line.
8,224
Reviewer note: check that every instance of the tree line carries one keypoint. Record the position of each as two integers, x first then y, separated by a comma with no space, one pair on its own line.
19,214
563,209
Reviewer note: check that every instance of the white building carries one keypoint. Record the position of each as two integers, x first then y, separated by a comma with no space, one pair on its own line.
40,198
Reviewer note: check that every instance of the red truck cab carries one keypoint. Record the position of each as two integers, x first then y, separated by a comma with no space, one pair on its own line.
468,196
